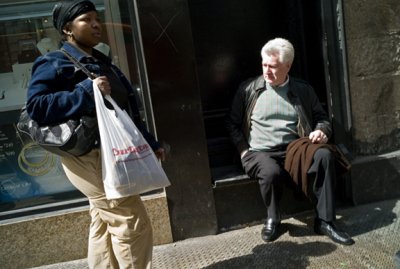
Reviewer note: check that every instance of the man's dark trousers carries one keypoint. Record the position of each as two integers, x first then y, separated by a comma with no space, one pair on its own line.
267,168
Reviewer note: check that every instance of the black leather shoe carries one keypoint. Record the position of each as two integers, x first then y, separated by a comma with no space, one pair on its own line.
328,228
270,232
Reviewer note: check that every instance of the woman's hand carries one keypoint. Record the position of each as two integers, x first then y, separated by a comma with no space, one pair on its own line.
318,137
103,84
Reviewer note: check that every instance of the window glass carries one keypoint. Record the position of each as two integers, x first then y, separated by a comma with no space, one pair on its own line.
29,175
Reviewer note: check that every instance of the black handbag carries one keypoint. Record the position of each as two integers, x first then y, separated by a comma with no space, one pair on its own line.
74,137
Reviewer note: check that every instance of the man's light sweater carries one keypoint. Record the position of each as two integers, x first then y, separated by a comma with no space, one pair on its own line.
274,120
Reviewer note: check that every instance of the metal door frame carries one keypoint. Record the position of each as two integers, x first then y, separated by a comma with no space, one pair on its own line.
336,72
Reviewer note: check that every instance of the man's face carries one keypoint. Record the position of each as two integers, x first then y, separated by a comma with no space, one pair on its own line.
274,72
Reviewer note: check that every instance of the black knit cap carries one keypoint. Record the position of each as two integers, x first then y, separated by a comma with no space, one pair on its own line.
66,11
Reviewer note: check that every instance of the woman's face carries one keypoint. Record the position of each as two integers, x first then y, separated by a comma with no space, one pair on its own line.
85,31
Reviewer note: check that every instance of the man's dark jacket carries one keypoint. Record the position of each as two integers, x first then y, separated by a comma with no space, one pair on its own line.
311,115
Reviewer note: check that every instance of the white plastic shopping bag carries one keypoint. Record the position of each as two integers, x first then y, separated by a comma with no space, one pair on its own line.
129,164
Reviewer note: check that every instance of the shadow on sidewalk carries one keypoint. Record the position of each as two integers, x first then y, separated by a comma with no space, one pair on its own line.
278,255
369,217
355,220
287,253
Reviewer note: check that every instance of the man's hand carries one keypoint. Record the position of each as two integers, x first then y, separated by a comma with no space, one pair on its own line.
318,137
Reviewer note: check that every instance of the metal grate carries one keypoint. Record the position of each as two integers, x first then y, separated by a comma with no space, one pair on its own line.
375,228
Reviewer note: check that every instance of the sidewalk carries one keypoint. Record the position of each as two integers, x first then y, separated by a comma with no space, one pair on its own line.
375,228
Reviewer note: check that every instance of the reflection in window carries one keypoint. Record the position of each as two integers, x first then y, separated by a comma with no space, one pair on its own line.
29,175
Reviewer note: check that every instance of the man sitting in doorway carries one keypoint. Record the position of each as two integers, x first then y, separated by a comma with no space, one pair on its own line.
267,114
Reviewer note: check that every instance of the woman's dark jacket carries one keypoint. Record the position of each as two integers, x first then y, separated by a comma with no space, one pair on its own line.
59,91
311,115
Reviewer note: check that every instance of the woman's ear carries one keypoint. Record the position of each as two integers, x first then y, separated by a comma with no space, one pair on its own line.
67,29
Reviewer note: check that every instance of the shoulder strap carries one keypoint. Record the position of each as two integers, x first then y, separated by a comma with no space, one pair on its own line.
78,64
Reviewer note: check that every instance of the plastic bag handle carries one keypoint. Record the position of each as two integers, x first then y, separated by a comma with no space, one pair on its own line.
109,99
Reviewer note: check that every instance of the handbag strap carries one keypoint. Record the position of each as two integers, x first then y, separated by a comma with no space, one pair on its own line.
78,64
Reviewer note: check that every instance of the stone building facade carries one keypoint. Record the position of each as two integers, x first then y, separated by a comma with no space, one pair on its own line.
373,60
196,52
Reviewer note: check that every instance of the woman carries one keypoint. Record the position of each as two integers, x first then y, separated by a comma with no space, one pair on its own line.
120,231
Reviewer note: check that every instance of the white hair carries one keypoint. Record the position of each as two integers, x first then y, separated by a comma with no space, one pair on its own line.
279,46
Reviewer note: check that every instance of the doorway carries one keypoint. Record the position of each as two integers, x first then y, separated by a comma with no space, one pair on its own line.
228,36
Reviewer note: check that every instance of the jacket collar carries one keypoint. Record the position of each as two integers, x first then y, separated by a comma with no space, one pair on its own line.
259,84
291,93
84,57
75,51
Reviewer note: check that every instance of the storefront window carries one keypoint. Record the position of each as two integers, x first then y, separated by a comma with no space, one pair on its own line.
29,175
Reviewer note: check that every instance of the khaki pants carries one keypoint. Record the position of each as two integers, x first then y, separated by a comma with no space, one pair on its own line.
120,231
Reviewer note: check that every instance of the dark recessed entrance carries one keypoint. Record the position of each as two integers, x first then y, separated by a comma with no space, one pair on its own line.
228,36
